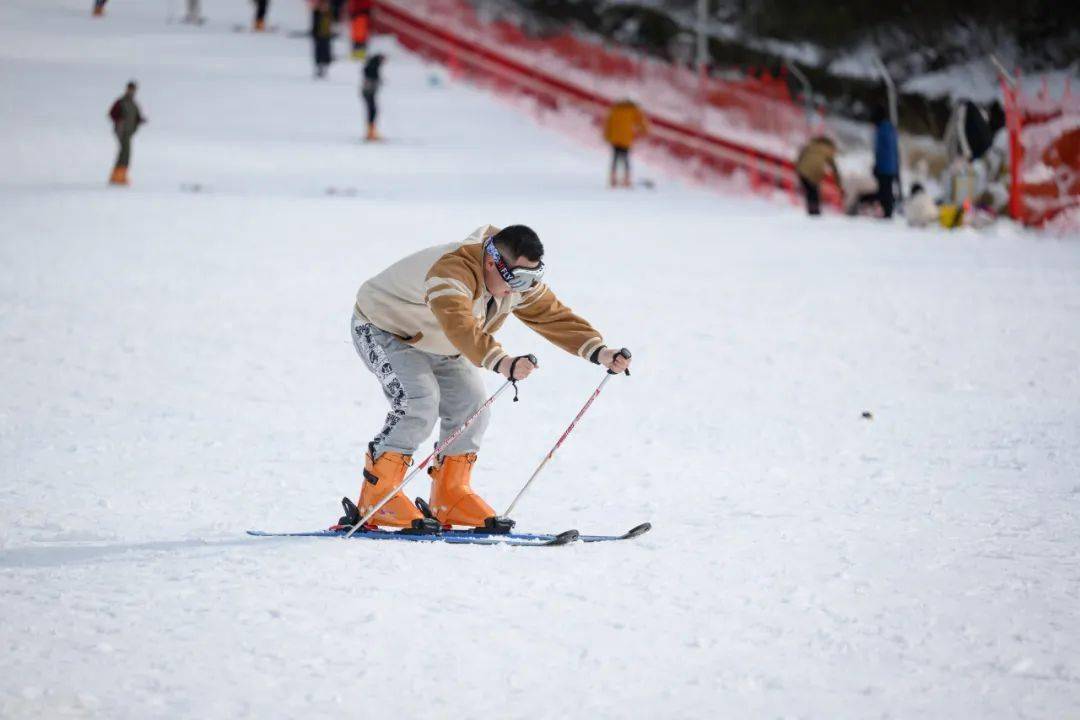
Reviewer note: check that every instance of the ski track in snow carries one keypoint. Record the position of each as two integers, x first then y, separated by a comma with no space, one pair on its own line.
176,369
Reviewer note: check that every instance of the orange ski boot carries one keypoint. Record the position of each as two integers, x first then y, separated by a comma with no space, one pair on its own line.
380,478
119,176
453,501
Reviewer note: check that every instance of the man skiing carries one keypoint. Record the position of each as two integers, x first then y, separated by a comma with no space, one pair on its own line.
423,326
126,118
371,81
322,34
259,24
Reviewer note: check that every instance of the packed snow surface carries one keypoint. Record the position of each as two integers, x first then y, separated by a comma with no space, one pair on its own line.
176,369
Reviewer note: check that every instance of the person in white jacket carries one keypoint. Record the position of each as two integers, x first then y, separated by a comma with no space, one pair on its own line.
920,209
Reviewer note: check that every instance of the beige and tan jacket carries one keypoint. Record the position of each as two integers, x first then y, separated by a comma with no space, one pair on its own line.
817,158
436,300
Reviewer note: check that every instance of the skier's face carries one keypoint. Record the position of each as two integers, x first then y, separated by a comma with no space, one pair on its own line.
494,281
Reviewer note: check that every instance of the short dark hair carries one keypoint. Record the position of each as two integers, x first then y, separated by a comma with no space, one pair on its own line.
879,114
519,241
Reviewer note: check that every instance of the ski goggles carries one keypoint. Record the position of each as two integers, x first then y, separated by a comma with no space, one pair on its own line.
520,278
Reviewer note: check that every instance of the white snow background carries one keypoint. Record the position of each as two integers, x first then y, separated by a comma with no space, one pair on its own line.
176,369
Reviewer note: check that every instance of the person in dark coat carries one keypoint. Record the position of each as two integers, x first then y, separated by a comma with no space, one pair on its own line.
372,80
336,8
260,15
193,15
322,31
126,118
99,8
886,165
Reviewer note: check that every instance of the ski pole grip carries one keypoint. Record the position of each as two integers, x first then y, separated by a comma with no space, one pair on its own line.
514,362
626,354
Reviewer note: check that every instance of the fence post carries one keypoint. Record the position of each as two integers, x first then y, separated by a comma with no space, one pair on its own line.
1013,123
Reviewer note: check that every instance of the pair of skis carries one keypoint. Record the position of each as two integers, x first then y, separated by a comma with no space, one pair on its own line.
470,537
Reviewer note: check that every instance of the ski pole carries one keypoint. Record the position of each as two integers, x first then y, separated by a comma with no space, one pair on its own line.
438,449
626,354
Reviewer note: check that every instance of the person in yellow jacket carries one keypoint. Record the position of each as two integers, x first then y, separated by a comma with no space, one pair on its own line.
625,124
816,159
423,326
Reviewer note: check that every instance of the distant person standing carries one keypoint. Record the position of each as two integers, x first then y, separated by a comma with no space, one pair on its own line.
126,118
336,7
369,90
886,165
360,15
815,159
967,134
99,8
967,139
194,12
625,123
260,15
322,31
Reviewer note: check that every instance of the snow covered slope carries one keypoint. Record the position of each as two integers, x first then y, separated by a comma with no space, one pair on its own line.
175,369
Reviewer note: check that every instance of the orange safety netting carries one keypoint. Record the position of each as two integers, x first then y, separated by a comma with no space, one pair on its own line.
1044,153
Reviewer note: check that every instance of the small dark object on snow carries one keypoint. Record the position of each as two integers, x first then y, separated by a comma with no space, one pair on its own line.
867,415
343,191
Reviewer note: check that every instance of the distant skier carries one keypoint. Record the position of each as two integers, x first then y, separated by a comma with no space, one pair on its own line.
336,7
322,32
815,159
625,124
369,90
261,7
126,118
360,18
886,165
194,13
423,326
99,8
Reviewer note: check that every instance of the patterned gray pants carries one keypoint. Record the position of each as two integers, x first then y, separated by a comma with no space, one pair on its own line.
421,387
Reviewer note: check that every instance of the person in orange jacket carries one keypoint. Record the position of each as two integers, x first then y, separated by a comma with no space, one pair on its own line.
360,14
625,124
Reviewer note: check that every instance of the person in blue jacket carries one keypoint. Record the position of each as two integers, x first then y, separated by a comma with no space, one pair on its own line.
886,164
